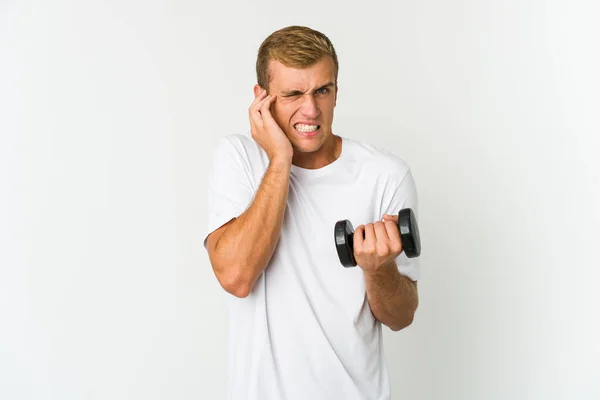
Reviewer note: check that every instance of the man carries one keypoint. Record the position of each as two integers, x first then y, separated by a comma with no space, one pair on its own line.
301,325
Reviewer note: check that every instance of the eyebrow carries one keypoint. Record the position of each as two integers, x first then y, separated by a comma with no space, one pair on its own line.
293,92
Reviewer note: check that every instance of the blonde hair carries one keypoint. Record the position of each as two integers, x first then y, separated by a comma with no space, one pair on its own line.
293,46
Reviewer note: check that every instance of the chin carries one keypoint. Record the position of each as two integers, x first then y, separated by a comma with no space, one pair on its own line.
298,147
299,141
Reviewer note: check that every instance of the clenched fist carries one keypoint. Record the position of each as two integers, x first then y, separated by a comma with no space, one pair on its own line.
377,244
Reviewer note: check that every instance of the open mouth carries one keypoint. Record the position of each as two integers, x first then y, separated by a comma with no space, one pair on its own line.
307,129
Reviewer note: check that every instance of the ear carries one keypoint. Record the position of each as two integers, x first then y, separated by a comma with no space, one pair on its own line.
257,90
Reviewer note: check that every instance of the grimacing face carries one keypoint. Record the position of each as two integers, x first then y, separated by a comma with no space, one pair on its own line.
305,103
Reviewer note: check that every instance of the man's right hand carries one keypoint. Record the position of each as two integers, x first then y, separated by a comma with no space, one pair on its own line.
265,130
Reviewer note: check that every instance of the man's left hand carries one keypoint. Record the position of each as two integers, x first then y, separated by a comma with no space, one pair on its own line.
377,245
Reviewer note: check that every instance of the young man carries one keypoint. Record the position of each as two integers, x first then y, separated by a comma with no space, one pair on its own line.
301,325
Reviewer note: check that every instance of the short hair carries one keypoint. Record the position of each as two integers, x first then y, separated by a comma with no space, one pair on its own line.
293,46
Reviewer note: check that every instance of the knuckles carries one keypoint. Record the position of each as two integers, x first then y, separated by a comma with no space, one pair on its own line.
396,247
383,251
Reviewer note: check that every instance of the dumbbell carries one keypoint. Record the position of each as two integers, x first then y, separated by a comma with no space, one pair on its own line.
409,236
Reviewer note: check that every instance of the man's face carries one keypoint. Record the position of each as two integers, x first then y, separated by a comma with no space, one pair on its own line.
305,101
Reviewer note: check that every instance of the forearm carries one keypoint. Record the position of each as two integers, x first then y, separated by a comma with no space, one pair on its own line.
392,297
247,245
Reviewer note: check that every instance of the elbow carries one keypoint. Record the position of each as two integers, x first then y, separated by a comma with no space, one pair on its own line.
407,317
405,322
235,284
239,290
230,276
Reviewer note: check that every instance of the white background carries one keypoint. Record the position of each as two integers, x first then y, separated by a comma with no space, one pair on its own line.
110,110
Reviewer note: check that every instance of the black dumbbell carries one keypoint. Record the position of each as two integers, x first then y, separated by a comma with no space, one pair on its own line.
409,236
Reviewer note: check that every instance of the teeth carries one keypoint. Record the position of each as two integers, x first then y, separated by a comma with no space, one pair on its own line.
306,128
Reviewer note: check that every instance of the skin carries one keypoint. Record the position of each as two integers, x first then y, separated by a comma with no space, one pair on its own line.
309,95
305,95
393,297
241,249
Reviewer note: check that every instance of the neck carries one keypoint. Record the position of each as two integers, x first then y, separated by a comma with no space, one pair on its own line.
325,155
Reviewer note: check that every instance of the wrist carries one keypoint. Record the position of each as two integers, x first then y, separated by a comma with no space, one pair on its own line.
384,268
281,162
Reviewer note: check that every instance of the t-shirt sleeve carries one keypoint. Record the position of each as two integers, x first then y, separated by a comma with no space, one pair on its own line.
405,196
230,190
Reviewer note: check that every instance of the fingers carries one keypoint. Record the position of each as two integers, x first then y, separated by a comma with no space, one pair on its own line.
259,109
364,239
265,106
380,231
257,99
380,237
390,217
260,100
370,237
254,109
359,238
393,233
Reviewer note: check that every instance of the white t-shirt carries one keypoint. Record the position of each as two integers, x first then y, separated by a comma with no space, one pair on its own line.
306,330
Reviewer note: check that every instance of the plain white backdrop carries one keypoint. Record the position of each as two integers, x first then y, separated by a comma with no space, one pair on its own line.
110,110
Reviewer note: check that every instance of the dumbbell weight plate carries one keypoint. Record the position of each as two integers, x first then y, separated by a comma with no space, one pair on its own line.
344,243
409,233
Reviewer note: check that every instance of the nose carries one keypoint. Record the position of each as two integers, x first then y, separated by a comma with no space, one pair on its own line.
309,107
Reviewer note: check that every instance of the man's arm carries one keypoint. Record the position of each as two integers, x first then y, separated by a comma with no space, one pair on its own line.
240,251
393,297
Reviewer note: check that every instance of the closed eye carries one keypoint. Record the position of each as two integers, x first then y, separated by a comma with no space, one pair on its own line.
323,90
291,94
